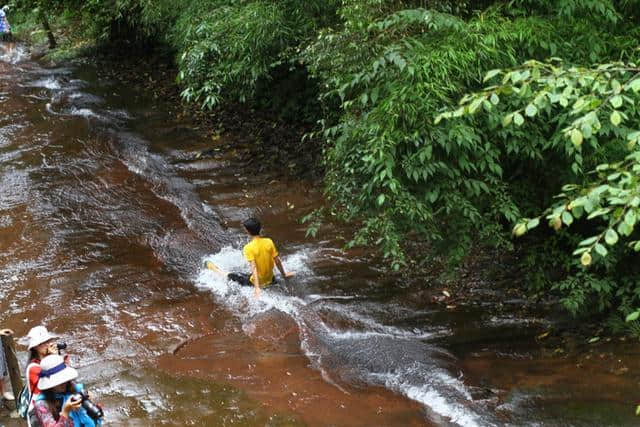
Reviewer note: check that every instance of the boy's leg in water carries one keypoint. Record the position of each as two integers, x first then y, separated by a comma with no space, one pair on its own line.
240,278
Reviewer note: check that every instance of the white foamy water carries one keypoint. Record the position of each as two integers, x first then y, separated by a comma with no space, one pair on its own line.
84,112
240,299
13,53
50,82
73,111
374,328
441,393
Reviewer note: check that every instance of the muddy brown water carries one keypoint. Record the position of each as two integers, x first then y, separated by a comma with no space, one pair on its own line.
106,215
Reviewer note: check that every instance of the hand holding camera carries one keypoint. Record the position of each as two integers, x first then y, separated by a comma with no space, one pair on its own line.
73,404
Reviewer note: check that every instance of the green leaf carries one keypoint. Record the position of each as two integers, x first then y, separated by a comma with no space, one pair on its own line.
633,316
616,101
364,98
518,119
533,223
615,118
635,85
494,99
585,259
580,251
611,237
531,110
381,199
594,340
506,120
491,74
616,86
624,229
598,212
588,242
564,101
374,94
473,107
630,217
567,218
601,250
519,229
576,137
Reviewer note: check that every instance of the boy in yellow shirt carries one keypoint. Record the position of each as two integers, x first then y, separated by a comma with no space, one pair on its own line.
261,254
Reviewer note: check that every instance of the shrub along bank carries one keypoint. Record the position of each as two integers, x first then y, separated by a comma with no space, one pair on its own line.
449,123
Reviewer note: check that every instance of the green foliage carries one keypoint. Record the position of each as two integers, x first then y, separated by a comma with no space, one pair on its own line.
391,71
233,46
225,49
592,120
600,10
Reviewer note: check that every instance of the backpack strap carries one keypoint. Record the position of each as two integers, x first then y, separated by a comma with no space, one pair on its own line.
28,386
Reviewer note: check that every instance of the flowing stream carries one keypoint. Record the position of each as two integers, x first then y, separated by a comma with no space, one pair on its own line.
107,213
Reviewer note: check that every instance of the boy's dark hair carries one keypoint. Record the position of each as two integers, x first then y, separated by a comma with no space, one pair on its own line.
253,226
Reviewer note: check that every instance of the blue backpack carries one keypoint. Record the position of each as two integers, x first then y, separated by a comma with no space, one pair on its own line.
22,402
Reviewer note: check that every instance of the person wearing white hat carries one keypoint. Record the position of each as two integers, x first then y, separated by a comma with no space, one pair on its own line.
53,406
39,335
41,344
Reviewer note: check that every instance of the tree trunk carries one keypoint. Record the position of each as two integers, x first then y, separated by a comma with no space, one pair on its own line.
47,29
12,364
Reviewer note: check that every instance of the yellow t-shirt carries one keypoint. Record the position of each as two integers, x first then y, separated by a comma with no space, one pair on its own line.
262,251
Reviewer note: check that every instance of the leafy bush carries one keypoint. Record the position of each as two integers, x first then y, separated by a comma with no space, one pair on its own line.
233,46
391,72
592,119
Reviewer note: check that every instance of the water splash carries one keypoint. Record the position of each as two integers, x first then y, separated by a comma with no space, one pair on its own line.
240,299
360,351
13,53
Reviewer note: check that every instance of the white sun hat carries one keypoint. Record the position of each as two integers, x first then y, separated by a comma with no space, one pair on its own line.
38,335
55,372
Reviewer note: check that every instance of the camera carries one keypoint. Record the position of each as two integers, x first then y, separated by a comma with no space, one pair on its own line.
61,346
93,410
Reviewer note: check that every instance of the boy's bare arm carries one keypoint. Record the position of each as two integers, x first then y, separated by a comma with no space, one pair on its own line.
256,279
281,268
